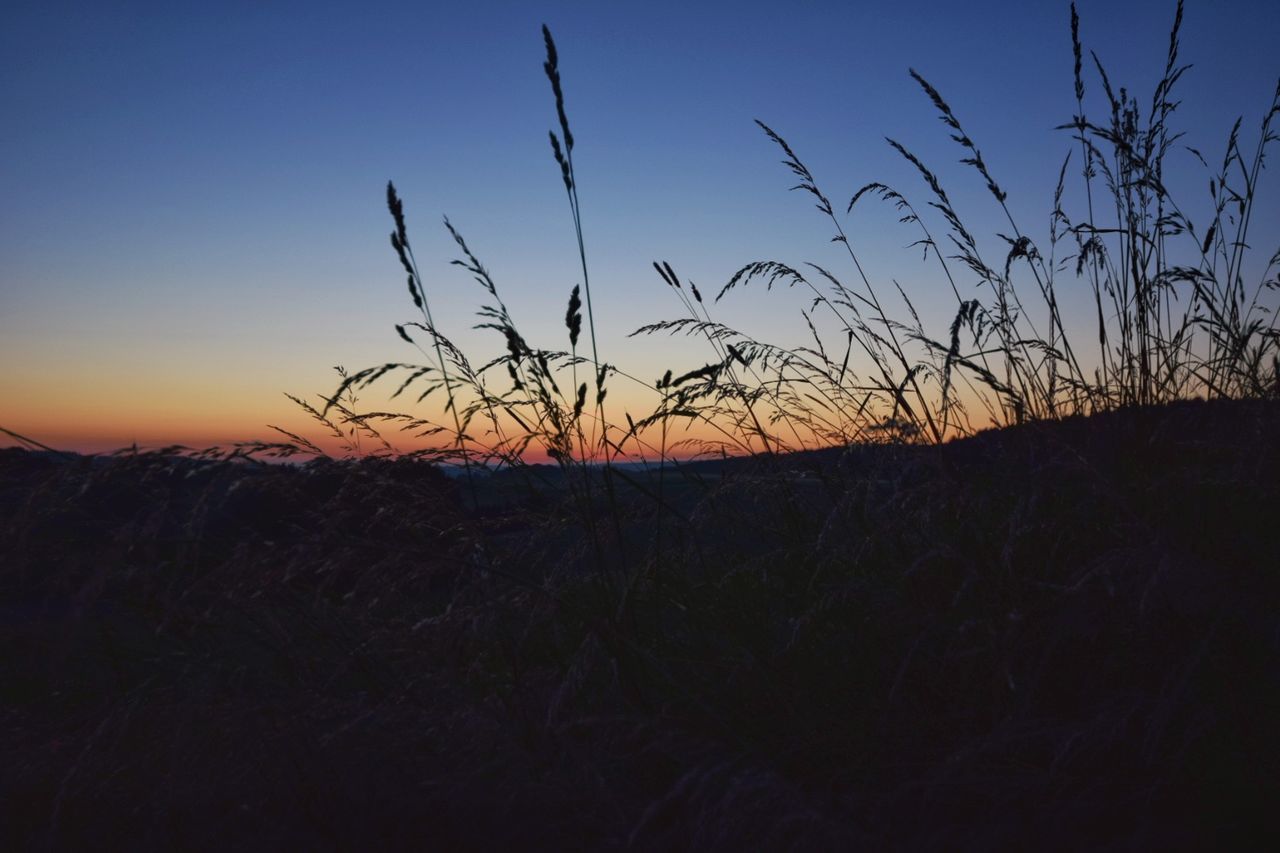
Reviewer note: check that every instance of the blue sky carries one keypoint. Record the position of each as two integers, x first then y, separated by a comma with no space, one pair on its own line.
192,216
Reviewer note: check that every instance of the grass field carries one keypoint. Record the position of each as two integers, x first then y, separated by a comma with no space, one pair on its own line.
1057,634
860,618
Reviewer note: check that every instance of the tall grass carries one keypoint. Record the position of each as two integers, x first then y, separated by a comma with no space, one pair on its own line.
1174,318
1048,632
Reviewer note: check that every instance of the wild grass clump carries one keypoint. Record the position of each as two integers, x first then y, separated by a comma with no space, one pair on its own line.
1175,317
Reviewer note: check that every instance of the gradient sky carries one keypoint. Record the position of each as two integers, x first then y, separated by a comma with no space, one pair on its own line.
192,216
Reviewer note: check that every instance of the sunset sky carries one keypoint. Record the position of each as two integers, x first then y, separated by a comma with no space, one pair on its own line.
192,209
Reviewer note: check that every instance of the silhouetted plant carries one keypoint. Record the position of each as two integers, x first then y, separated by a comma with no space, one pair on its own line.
1166,329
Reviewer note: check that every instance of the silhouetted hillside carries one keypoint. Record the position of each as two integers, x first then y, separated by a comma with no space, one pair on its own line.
1059,635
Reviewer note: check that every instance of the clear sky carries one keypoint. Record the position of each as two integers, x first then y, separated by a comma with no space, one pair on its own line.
192,216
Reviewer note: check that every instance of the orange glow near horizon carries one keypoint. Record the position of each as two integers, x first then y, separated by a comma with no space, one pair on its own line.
94,398
98,421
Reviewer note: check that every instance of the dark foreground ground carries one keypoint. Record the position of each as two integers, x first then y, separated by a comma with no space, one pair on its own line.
1062,636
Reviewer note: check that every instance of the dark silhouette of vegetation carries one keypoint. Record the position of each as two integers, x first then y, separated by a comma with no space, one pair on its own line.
860,620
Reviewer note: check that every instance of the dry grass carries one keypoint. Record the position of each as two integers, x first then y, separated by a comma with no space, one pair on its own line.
1175,317
1060,632
1057,631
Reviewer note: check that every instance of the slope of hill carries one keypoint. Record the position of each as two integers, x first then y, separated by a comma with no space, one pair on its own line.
1063,634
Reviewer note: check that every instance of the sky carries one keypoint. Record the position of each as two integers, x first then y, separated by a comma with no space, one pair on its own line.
192,195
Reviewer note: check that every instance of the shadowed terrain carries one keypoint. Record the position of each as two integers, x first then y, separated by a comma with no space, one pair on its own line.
1059,634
